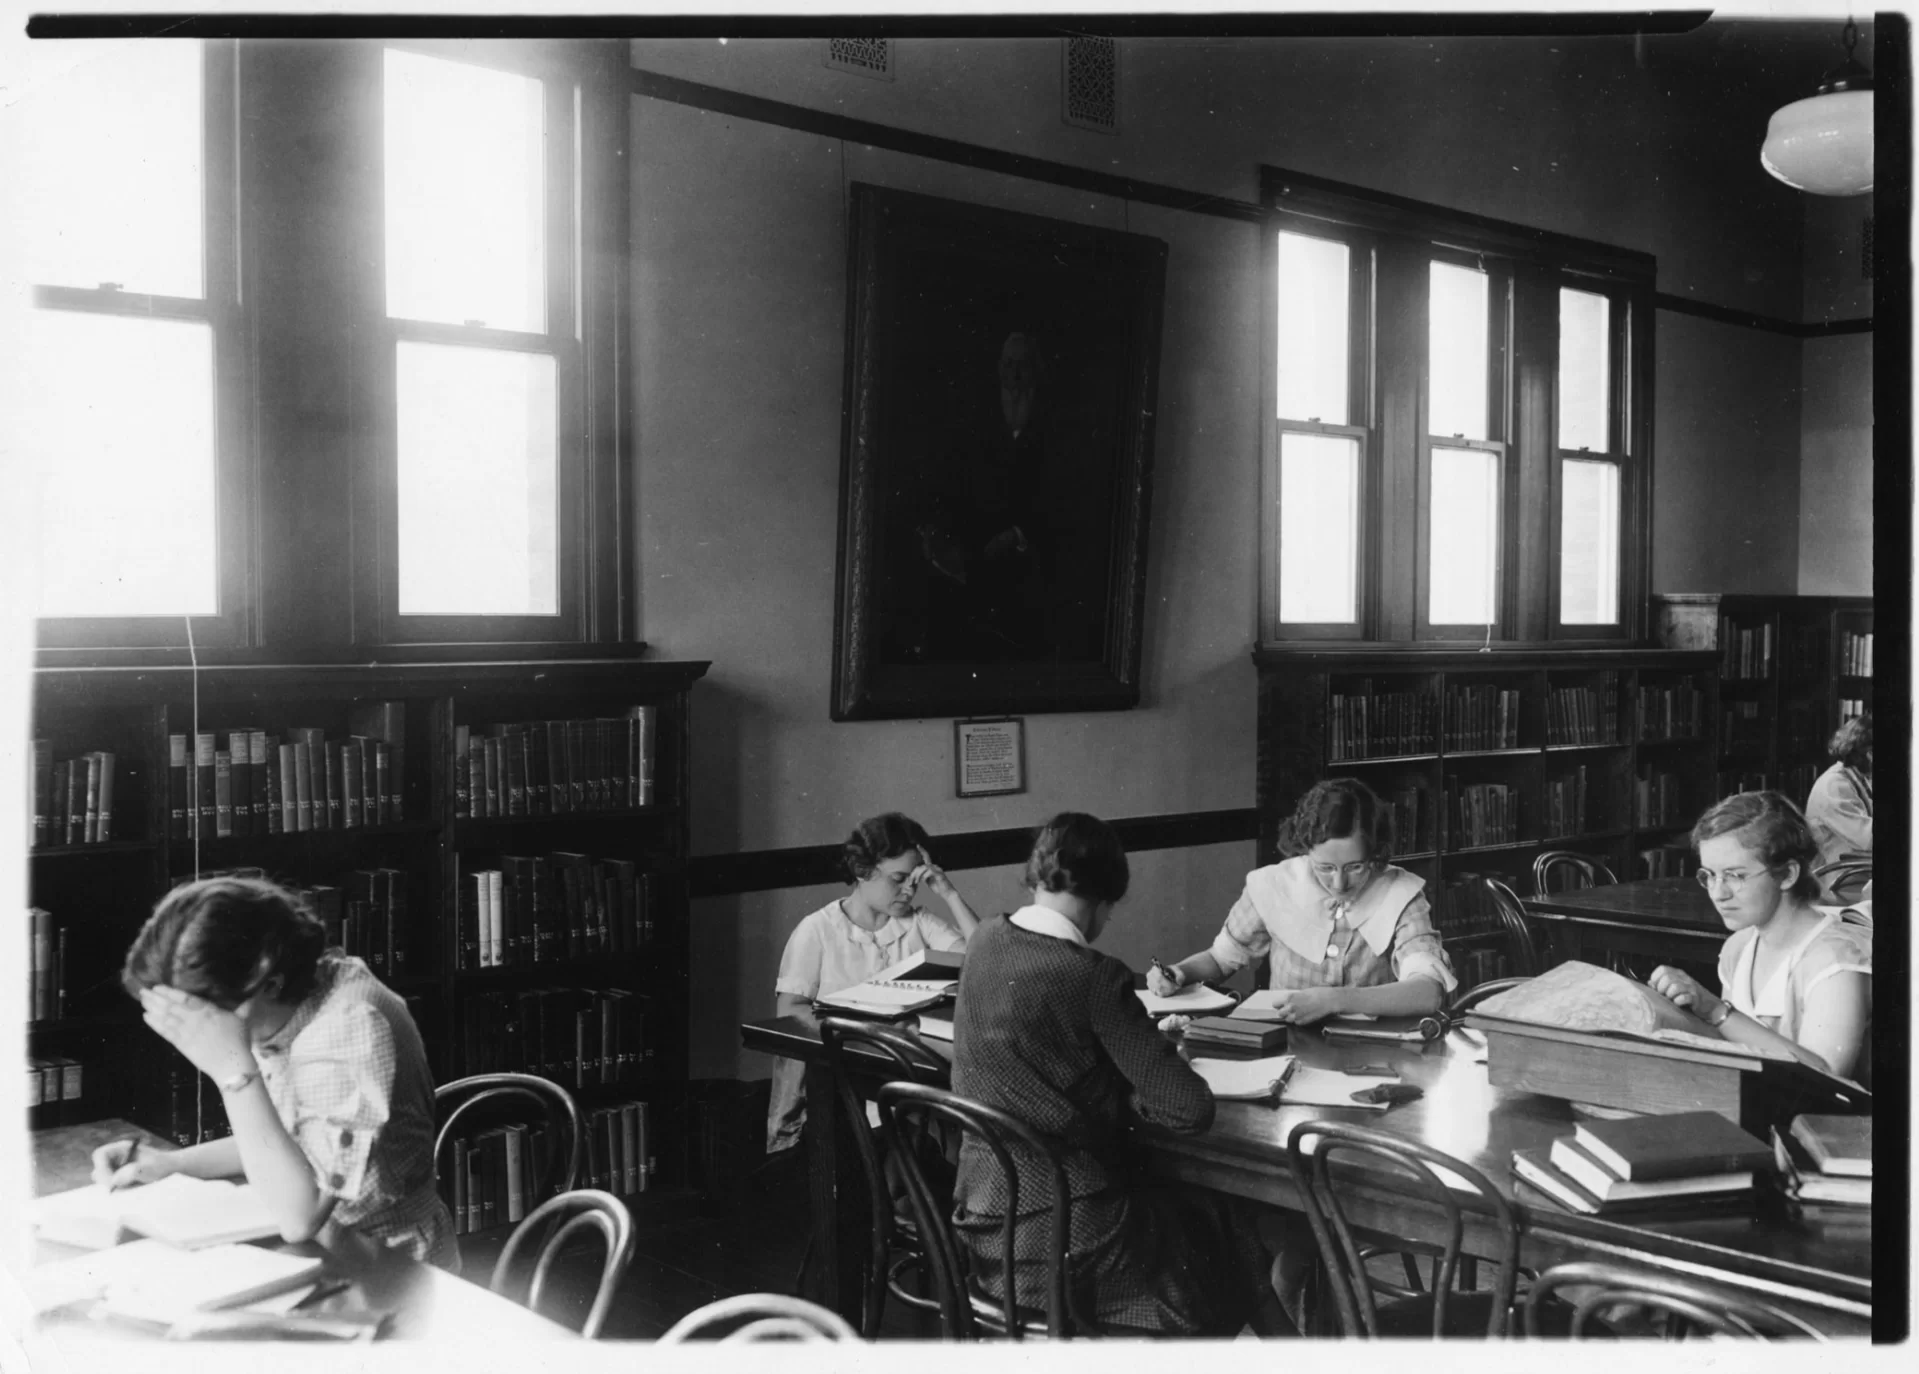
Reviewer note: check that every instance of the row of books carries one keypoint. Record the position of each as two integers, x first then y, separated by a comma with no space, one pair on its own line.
1667,861
1855,653
72,798
1826,1160
1741,726
1852,706
261,784
54,1078
1483,813
1482,717
1584,715
1365,724
574,1036
498,1175
1661,798
548,767
1476,966
552,908
46,966
1795,782
1465,906
366,914
1672,712
1412,819
1566,804
1746,652
1696,1161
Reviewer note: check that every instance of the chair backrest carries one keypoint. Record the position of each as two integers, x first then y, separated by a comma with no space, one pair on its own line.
1844,879
1519,932
549,1226
761,1317
1338,1247
1559,870
1479,992
910,1062
908,1109
1692,1306
462,1100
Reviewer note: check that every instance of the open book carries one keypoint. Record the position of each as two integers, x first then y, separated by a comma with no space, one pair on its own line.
1195,1000
154,1281
891,992
180,1210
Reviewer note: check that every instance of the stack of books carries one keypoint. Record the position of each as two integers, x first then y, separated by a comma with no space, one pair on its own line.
1694,1161
1234,1032
1826,1161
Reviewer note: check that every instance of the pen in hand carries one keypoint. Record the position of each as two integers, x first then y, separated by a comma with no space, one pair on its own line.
133,1153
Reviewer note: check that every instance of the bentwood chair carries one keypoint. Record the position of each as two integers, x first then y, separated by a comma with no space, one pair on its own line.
754,1317
967,1306
895,1246
545,1233
1480,992
1441,1310
1520,944
1682,1307
466,1101
1561,870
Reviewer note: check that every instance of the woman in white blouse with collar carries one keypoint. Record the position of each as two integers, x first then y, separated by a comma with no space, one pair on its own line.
1793,977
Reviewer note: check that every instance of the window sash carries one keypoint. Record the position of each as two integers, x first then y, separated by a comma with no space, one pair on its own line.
1623,450
1426,627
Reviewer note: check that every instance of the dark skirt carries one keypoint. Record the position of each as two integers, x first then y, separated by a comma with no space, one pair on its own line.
1166,1261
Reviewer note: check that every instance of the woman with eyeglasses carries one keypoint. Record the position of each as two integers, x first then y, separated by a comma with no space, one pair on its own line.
319,1065
847,941
1343,930
1793,978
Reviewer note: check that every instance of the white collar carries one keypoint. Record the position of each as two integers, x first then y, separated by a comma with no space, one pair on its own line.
888,932
1301,912
1771,1000
1043,920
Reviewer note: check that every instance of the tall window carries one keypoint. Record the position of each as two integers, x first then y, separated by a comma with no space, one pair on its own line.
121,417
1454,427
481,297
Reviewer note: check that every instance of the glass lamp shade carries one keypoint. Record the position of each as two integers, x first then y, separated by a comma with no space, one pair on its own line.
1822,144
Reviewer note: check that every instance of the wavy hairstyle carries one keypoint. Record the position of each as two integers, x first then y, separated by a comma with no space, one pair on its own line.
877,839
221,938
1080,854
1770,826
1852,742
1336,809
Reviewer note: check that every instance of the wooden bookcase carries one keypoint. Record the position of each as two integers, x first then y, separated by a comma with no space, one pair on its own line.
1572,763
101,893
1788,666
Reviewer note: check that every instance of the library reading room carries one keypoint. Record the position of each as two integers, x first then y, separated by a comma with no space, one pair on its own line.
1020,679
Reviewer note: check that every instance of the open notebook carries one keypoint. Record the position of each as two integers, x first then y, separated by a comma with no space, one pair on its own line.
182,1211
891,992
1196,1000
156,1282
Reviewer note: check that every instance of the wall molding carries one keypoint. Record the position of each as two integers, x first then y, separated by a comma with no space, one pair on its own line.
771,870
1706,310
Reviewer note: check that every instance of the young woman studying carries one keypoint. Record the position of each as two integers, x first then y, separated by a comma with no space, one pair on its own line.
321,1069
847,941
1344,930
1792,977
1051,1031
1839,810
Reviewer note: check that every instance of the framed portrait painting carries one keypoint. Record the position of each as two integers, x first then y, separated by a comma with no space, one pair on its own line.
996,463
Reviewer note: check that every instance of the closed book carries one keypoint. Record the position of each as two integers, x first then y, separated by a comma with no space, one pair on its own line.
240,769
41,933
179,798
539,800
352,785
335,756
289,790
630,1147
495,797
106,795
1839,1145
303,785
77,802
1223,1030
1676,1145
645,750
57,804
559,780
496,914
42,788
385,722
475,1185
576,762
1595,1178
1535,1169
512,747
1799,1176
460,735
385,784
258,755
515,1173
457,1202
398,927
222,792
468,953
476,775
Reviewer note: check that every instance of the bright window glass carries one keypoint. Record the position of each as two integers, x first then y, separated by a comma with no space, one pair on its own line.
108,185
1585,365
1457,352
1588,543
115,425
465,194
1318,529
1464,568
478,478
1314,285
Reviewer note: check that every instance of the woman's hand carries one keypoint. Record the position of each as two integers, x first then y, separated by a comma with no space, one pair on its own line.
1682,990
214,1040
1303,1006
933,878
123,1164
1163,980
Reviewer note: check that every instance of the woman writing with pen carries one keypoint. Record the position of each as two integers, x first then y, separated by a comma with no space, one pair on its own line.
320,1067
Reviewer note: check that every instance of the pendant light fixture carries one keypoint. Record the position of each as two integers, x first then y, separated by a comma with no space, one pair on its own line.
1823,144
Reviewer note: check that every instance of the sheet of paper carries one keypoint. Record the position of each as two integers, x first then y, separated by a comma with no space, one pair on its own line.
204,1212
1247,1080
166,1288
1312,1087
1261,1006
1197,1000
94,1218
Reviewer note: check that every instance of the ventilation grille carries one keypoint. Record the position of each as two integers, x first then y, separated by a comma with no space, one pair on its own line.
1865,248
1089,83
864,56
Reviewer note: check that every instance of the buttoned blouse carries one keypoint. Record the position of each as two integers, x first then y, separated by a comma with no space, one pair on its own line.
1832,947
1312,939
348,1078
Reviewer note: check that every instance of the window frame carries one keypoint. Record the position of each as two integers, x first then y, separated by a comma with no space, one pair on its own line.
219,306
1397,512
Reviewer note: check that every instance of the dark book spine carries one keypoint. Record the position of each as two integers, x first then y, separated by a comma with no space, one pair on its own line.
460,774
179,798
43,787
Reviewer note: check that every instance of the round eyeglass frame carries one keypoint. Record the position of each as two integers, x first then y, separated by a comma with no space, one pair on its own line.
1706,878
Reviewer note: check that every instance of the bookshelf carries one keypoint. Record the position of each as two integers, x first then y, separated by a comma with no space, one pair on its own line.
398,872
1490,759
1791,668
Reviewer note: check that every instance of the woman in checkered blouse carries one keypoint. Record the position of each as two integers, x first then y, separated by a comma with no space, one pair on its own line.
1343,930
321,1068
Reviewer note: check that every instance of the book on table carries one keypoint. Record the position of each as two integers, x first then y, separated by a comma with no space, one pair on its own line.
1800,1177
1535,1169
1259,1036
891,993
189,1213
1674,1145
1839,1145
1585,1169
936,1025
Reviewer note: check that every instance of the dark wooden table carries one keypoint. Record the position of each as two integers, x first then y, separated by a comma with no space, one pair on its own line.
425,1303
1821,1268
1668,920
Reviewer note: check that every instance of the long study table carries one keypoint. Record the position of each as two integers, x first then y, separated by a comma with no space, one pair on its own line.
423,1302
1670,920
1822,1268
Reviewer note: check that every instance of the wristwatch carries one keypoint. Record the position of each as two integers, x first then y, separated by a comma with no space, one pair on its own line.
1718,1018
233,1083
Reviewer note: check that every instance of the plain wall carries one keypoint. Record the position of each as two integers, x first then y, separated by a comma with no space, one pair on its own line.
739,251
1835,437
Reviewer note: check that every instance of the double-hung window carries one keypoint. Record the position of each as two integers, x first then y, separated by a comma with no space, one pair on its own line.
1455,440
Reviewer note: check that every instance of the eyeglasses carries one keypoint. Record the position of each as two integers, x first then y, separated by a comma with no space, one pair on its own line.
1353,871
1735,879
